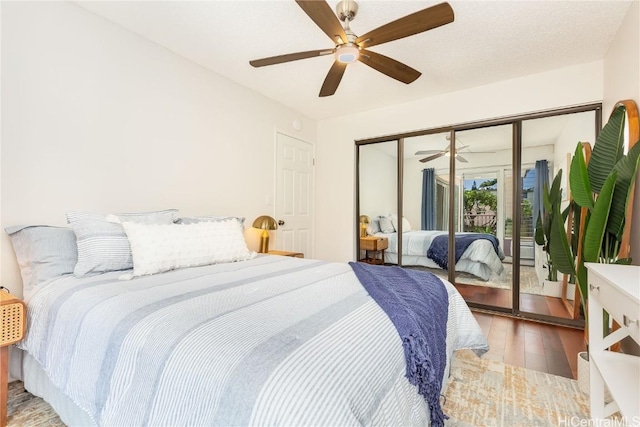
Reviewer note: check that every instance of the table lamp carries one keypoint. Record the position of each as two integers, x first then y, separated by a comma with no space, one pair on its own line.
265,223
364,221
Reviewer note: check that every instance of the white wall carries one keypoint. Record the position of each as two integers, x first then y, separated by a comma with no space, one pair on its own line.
622,81
335,193
579,128
97,118
379,181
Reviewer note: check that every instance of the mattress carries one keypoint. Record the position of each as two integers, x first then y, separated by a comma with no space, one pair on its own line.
270,341
479,259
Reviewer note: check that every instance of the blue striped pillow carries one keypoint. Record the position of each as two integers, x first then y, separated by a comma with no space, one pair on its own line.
102,245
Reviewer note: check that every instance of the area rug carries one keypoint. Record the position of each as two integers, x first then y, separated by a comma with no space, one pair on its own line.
24,409
481,392
484,392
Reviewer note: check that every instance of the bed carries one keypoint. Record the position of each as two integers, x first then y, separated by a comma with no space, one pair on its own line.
480,258
266,340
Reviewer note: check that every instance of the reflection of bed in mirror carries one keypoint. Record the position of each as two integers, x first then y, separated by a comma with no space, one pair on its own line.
476,253
480,258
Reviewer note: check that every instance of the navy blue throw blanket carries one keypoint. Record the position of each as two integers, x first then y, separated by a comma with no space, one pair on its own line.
439,249
418,304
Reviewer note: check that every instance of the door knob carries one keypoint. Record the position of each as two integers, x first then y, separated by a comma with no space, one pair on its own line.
280,222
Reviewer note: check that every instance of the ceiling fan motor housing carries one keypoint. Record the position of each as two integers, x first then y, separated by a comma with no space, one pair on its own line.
347,10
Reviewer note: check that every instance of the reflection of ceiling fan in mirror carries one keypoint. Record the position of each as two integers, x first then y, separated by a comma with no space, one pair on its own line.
435,154
348,47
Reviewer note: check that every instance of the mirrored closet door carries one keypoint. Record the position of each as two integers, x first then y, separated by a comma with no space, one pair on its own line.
472,193
484,267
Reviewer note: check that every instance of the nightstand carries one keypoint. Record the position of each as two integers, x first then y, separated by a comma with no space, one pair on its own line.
13,315
374,244
285,253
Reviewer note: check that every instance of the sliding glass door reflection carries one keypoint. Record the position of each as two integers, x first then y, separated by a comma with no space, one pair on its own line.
483,271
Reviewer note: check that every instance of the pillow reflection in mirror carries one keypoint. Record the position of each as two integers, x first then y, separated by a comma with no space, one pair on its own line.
373,227
386,226
406,226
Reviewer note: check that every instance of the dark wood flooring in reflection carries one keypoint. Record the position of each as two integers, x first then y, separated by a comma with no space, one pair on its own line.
539,304
537,346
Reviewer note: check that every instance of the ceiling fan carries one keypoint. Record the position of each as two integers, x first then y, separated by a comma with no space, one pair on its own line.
435,154
350,48
440,153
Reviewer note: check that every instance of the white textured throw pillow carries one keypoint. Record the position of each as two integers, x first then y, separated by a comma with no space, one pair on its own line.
157,248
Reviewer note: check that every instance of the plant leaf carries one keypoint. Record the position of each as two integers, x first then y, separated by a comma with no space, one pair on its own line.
627,169
539,236
546,202
554,193
594,233
608,149
581,278
559,249
623,261
579,179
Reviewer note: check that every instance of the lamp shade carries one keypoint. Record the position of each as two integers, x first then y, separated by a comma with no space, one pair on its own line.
265,222
364,219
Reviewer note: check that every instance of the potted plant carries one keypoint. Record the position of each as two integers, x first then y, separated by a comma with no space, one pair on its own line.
542,234
602,191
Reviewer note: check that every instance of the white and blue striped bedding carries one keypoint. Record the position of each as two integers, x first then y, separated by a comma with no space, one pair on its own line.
479,259
270,341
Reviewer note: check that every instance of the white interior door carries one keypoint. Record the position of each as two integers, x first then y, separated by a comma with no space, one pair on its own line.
294,195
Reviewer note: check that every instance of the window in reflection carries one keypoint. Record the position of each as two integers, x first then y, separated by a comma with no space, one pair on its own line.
483,272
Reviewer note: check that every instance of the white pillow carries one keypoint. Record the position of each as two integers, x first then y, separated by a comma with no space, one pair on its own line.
162,247
386,226
373,227
406,226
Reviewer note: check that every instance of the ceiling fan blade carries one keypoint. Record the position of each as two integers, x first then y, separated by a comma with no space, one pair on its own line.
320,13
422,152
435,156
290,57
462,159
418,22
332,80
390,67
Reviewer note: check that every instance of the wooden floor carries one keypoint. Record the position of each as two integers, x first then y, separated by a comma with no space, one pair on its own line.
503,298
537,346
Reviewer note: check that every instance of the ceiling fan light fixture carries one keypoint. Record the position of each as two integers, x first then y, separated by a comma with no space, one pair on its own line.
347,53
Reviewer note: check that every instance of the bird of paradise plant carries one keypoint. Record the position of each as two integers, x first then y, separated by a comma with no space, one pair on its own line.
602,191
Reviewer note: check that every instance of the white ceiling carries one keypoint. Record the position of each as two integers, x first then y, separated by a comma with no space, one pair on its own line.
488,41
